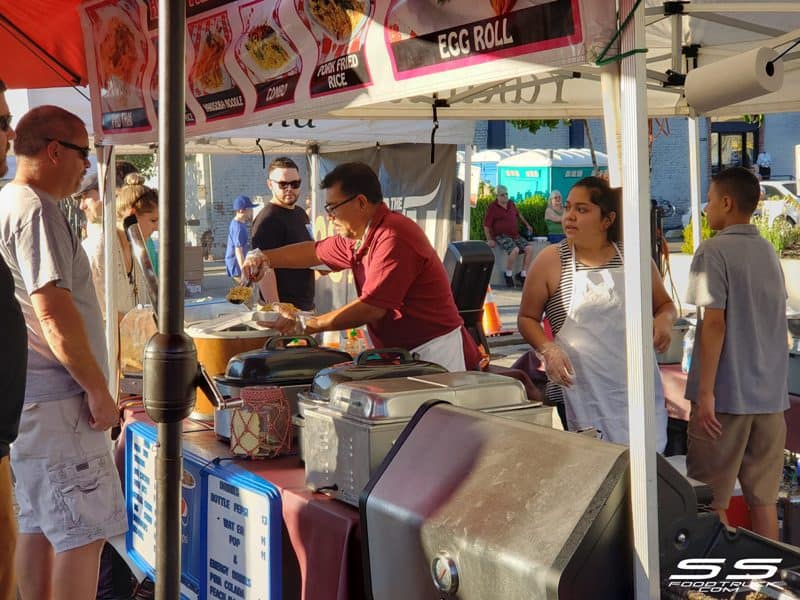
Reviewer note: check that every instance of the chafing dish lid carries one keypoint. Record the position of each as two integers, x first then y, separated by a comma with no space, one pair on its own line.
372,364
400,397
279,362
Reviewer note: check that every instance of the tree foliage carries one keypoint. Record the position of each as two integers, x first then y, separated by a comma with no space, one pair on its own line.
536,124
144,163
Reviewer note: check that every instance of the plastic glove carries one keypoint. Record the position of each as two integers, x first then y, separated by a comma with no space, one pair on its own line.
254,267
557,364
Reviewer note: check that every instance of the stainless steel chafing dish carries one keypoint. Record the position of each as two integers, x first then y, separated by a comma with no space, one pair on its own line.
346,439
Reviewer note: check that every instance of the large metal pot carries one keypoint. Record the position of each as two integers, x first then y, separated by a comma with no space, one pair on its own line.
279,363
214,349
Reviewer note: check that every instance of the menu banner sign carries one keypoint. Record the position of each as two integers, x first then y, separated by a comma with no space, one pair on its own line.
484,31
250,62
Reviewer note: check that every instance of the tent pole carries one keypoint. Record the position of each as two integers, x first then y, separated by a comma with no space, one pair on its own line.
694,178
106,177
465,223
170,358
313,184
638,301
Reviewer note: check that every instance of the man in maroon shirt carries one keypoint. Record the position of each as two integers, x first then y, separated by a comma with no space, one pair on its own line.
501,226
404,295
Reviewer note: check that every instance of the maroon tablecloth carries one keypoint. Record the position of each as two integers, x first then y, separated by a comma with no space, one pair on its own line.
322,543
678,407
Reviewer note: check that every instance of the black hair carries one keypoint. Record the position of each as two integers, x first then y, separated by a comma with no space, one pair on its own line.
741,185
123,168
355,178
608,199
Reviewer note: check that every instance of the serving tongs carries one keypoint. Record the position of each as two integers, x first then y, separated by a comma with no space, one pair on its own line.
130,225
210,389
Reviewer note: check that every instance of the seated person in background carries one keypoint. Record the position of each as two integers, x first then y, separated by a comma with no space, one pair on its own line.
554,213
737,377
764,163
501,226
580,284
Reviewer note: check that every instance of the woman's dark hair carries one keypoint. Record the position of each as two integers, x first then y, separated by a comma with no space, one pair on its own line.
608,199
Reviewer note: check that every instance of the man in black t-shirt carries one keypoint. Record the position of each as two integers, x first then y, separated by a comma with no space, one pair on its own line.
13,368
282,222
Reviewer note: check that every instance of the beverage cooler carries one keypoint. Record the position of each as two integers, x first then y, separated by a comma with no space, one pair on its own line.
230,523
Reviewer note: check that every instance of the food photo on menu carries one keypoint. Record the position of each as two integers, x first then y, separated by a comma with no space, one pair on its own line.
209,80
340,29
266,55
423,34
121,52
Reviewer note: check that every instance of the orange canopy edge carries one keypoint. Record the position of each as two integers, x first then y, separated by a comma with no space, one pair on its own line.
41,44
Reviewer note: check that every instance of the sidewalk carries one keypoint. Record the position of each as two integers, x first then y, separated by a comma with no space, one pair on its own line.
505,349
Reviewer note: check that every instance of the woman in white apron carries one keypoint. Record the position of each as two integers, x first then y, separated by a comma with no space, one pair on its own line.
579,285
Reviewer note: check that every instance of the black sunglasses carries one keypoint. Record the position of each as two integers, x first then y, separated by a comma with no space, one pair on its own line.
5,122
82,150
329,208
284,185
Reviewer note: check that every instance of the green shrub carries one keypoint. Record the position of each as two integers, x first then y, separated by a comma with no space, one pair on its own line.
781,234
532,208
705,233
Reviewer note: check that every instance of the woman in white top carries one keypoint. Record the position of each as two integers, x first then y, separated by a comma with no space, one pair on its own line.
579,284
132,198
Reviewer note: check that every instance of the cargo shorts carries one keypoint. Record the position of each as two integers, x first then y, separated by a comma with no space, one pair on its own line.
67,485
750,448
508,243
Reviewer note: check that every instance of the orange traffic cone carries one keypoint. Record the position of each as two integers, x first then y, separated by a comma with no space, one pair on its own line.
491,316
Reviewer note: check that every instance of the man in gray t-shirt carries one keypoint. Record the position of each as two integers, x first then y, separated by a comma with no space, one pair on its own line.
67,487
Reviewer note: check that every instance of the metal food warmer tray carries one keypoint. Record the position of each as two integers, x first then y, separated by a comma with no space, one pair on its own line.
345,439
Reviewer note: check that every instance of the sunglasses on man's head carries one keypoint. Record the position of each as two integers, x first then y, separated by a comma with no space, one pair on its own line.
5,122
284,185
82,150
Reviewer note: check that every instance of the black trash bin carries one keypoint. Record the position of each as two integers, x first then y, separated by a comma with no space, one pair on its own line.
469,267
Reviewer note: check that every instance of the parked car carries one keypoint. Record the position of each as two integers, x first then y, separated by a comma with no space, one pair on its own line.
773,190
784,191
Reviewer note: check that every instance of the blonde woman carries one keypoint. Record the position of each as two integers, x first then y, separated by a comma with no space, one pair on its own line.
133,198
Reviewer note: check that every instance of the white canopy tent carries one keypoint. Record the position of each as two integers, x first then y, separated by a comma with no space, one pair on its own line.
625,96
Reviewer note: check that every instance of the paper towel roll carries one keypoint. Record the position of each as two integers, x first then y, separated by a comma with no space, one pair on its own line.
733,80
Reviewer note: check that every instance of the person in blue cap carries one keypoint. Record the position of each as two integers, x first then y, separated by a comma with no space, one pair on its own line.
238,235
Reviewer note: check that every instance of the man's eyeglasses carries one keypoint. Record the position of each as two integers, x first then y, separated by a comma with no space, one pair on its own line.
331,208
285,185
5,122
82,150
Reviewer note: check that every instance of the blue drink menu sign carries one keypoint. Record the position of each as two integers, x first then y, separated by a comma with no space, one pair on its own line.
230,524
